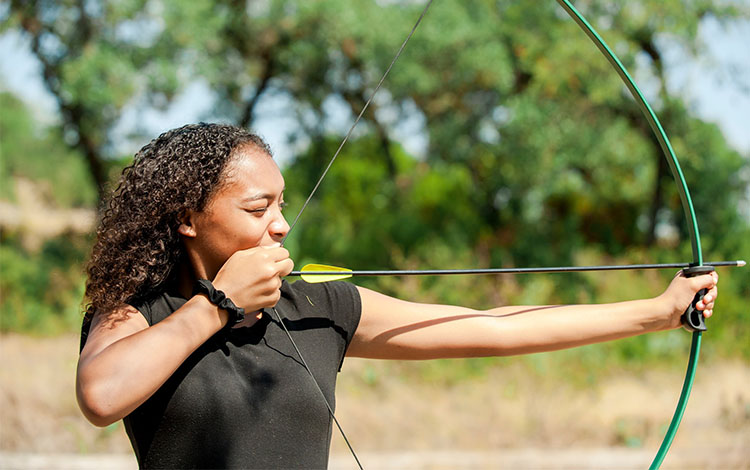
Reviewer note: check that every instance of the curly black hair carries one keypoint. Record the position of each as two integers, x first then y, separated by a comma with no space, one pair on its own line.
138,247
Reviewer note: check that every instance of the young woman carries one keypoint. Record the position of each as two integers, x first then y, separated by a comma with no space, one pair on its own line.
198,385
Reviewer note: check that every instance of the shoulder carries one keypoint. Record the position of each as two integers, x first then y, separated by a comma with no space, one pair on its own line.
327,292
104,328
158,306
131,317
337,301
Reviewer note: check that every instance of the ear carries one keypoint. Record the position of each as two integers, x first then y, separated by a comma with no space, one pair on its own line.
187,226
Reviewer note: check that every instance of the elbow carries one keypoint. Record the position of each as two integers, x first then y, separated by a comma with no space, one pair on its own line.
95,406
98,420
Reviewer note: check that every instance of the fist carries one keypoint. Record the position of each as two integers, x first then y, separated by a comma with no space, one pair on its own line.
252,277
680,293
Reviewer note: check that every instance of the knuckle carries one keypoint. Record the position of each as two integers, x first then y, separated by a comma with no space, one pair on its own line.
270,291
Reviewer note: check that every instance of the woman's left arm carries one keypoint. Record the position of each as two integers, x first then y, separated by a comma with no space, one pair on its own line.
396,329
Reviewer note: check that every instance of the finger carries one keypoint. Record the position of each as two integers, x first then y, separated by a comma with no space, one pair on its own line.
277,253
708,299
706,281
285,267
714,293
263,249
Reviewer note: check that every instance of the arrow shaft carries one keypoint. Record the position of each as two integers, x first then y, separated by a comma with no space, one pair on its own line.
554,269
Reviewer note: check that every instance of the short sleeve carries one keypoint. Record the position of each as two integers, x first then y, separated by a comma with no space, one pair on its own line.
346,307
339,301
144,308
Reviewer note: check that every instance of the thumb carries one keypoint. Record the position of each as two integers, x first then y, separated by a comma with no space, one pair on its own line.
707,281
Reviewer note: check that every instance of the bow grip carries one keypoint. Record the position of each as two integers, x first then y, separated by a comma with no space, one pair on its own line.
692,319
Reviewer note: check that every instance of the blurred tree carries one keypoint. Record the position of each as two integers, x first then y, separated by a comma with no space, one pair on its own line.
46,218
534,151
554,153
36,154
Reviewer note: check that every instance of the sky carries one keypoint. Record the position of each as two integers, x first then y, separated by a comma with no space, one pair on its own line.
716,87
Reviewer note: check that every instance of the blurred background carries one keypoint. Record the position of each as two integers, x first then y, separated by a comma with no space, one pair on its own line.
501,138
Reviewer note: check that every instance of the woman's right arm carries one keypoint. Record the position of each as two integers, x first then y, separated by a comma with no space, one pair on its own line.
117,371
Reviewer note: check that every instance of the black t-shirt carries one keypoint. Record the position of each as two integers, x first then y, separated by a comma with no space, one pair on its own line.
244,399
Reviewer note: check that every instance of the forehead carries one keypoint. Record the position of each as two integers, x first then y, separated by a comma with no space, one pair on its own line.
253,170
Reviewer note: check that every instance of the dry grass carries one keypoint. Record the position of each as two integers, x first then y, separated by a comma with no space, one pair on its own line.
510,408
385,411
39,411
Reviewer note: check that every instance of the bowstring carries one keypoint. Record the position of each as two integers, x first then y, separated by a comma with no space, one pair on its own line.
356,121
307,201
325,400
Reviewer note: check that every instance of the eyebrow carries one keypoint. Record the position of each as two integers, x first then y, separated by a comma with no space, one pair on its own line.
259,196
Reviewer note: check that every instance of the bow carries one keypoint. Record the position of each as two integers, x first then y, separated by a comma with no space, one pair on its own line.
697,266
693,320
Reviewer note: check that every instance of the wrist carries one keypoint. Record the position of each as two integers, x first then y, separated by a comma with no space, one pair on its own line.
218,298
658,314
221,316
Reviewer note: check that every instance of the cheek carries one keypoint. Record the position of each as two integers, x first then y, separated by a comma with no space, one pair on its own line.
244,234
248,239
227,230
222,237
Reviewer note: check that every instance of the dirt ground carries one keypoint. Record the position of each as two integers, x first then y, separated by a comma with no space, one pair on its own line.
503,419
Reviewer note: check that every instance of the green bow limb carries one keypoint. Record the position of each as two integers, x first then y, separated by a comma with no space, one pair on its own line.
674,166
687,205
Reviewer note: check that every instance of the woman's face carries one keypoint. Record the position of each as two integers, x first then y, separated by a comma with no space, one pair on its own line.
244,213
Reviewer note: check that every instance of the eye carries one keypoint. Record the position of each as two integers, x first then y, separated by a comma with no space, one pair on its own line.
282,205
259,210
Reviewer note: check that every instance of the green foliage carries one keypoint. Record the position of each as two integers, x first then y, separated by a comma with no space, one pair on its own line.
535,154
39,155
41,292
40,289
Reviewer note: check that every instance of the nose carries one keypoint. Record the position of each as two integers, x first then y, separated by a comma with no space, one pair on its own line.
279,227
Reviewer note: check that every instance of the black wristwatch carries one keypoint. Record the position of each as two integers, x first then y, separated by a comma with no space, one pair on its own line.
220,299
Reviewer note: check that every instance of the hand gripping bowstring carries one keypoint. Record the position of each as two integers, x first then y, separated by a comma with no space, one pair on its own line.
697,325
307,201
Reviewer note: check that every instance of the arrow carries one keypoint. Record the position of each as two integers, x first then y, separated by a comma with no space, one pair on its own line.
317,273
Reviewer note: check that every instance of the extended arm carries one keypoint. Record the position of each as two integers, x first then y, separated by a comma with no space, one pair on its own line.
396,329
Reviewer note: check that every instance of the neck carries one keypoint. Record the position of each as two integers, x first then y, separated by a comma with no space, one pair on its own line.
185,279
